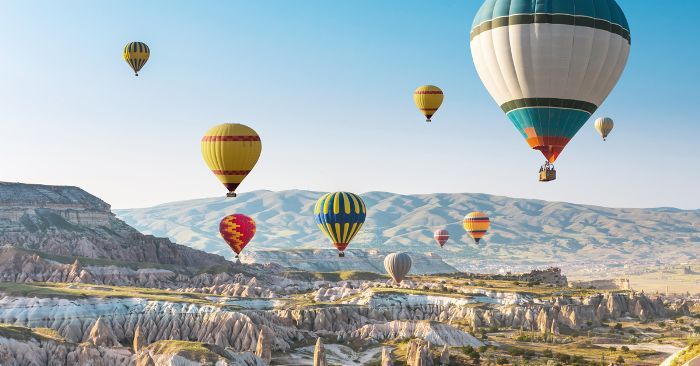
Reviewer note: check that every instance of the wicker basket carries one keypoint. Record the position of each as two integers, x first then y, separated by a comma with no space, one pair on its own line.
548,175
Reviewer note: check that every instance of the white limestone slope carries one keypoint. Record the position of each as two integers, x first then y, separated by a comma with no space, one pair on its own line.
436,333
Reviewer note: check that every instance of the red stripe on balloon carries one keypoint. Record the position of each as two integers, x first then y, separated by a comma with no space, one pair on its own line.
230,138
231,172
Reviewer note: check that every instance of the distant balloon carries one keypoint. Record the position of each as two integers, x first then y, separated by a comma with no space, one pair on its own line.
136,54
476,224
549,64
231,150
397,265
428,99
340,216
604,125
237,230
441,236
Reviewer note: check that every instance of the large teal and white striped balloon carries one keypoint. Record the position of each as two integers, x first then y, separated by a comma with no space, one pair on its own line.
549,64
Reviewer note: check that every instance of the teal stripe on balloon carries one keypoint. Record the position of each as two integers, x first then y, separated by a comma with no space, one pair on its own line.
607,10
549,121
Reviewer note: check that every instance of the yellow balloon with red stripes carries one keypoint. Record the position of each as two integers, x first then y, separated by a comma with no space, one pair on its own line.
231,150
428,99
476,224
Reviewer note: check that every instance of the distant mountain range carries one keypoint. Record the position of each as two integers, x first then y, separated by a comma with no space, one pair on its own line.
522,230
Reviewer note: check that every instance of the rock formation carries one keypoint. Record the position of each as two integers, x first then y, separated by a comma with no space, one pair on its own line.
319,353
101,335
445,356
418,353
387,357
263,348
139,340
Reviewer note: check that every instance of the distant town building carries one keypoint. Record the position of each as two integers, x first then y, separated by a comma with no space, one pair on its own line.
551,276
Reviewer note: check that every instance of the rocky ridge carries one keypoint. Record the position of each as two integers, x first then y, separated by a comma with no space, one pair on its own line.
67,221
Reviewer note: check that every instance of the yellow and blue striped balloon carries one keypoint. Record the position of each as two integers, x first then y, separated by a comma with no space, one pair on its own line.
136,54
340,215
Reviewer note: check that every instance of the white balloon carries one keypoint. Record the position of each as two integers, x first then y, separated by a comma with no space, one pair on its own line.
398,265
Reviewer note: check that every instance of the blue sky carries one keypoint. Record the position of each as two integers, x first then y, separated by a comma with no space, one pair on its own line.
327,85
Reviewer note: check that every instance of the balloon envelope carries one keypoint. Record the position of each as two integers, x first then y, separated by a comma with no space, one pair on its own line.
604,125
231,150
441,236
340,216
549,64
428,99
237,230
136,54
476,224
397,265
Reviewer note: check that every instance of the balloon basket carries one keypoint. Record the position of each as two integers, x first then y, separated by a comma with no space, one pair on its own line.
341,255
231,194
547,172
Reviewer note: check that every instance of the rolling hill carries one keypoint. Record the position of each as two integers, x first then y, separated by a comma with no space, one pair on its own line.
522,230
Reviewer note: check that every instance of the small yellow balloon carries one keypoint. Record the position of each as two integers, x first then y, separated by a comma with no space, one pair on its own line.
231,150
604,125
428,99
136,54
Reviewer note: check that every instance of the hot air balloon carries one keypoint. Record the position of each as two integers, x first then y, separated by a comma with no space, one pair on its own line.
441,236
136,54
397,265
549,64
428,99
604,125
476,224
231,151
237,230
340,216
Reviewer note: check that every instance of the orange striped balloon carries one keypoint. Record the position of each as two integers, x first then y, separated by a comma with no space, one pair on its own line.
476,224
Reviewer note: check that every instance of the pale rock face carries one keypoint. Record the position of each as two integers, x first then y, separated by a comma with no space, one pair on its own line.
74,319
156,355
418,353
319,353
17,265
263,348
139,339
101,335
435,333
48,352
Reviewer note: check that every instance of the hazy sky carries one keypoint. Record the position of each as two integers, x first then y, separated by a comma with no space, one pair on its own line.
328,86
